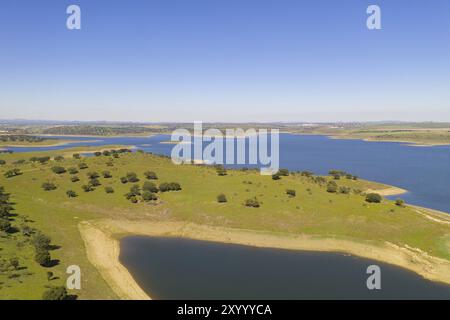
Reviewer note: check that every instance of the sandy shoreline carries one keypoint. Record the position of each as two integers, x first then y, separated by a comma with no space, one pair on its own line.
389,191
102,237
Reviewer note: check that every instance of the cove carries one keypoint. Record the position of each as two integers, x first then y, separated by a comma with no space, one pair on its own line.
178,268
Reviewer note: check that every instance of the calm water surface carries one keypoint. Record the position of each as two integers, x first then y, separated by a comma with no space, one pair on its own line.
173,268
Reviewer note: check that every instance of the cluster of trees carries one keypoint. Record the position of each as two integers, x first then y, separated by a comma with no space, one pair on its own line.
41,160
20,138
12,173
41,244
337,174
5,210
130,177
149,190
290,192
98,130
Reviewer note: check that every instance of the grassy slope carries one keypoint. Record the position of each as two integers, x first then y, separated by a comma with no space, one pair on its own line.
313,211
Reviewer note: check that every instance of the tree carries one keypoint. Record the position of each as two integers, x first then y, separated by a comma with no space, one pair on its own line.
373,198
76,156
93,175
150,175
74,179
106,153
221,171
135,190
132,177
55,293
221,198
133,199
94,182
290,192
123,180
72,170
87,188
71,194
83,166
148,196
2,162
49,275
276,176
5,225
58,170
253,203
97,153
48,186
150,186
12,173
332,187
109,190
106,174
59,158
42,257
400,202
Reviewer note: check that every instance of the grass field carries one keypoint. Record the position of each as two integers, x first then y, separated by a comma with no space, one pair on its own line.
313,211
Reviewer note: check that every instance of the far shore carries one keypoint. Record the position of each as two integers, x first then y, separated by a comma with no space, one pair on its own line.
102,242
31,145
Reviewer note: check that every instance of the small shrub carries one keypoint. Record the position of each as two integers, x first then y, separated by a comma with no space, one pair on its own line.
276,176
332,187
5,225
74,179
123,180
344,190
87,188
109,190
400,202
150,175
290,192
72,170
76,156
106,174
172,186
150,186
83,166
132,177
71,194
221,198
94,182
283,172
59,158
93,175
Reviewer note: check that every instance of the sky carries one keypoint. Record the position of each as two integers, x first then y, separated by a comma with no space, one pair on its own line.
225,61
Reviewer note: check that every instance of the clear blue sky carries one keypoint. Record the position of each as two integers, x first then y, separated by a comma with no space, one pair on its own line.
225,60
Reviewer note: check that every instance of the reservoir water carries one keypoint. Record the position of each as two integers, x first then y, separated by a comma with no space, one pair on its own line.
423,171
174,268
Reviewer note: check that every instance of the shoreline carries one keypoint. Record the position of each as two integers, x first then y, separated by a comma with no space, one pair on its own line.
102,242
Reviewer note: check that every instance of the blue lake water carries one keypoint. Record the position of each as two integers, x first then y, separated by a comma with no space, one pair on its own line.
423,171
172,268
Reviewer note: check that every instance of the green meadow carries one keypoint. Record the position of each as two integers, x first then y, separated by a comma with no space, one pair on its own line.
311,210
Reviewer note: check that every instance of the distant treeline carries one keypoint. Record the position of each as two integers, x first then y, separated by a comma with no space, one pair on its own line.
21,138
99,130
